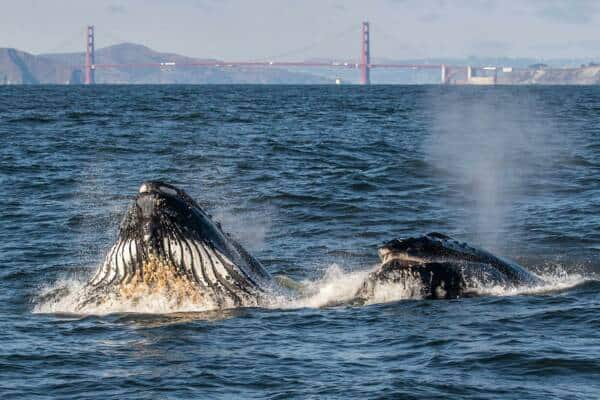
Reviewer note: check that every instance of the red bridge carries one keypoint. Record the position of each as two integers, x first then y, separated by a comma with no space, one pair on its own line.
364,65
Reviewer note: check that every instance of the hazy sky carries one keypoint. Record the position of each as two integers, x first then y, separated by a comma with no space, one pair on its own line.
288,29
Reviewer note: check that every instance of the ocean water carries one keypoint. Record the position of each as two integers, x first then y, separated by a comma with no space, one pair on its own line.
311,179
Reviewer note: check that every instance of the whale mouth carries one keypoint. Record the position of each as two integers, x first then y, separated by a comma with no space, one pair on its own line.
167,242
386,255
150,187
433,246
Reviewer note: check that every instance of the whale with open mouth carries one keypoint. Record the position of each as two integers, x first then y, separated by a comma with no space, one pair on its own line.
443,268
168,243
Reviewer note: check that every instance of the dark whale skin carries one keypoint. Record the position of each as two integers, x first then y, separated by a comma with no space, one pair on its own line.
164,226
444,267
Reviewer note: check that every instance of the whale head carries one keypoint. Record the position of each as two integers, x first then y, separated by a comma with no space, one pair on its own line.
162,211
166,237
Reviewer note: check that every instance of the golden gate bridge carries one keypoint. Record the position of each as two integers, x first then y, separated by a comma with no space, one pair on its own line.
364,65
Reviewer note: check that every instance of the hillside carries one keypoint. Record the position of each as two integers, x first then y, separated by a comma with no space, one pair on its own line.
18,67
589,75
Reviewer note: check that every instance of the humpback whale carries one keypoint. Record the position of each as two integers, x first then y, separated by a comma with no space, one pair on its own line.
167,242
444,268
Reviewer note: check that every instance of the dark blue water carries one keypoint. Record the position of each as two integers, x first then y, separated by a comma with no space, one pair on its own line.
311,179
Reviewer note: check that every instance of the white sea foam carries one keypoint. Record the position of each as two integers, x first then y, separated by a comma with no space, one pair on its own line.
552,281
68,298
336,287
59,297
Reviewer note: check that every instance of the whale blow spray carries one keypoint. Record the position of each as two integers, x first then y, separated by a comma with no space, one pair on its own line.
492,148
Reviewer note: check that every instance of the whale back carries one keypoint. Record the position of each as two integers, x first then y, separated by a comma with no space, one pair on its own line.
437,247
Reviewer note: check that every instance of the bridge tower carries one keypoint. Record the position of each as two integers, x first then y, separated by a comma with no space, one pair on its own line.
365,56
89,56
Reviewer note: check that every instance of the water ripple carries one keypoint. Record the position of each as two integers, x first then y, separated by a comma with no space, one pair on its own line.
312,179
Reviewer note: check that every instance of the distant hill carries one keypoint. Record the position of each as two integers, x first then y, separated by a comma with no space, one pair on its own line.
18,67
584,75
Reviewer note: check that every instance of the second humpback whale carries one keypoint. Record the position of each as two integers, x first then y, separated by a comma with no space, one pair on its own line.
444,268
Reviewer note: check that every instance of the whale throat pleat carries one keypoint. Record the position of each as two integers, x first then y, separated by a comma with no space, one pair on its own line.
106,267
188,259
120,262
198,269
199,262
205,266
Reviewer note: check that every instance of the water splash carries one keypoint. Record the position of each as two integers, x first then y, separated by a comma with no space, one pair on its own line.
552,281
336,287
66,297
249,227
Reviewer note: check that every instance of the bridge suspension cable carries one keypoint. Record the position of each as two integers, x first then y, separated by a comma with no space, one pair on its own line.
365,64
315,44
